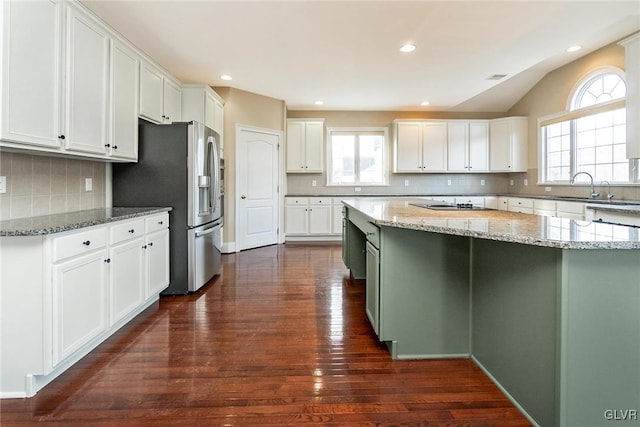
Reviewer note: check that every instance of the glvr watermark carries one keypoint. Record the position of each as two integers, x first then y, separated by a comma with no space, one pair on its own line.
621,414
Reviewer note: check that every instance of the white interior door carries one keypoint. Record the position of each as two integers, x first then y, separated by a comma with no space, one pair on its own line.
257,189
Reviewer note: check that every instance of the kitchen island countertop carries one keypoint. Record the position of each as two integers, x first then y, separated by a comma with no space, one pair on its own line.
504,226
56,223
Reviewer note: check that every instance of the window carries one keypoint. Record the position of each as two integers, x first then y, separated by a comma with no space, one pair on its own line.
591,137
357,156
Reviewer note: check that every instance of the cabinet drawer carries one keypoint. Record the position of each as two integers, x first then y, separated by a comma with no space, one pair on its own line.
320,201
547,205
293,201
372,232
571,207
126,230
157,222
78,243
521,203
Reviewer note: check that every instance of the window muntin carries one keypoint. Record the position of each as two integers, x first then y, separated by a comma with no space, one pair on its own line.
591,137
356,157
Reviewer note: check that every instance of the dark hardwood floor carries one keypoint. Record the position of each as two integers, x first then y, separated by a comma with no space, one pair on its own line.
280,338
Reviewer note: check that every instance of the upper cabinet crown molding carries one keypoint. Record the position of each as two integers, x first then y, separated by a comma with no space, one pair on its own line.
632,79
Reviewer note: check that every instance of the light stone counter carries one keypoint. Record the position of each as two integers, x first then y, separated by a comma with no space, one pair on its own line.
48,224
498,225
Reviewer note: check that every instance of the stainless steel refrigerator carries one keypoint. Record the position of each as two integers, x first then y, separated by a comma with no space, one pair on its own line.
179,165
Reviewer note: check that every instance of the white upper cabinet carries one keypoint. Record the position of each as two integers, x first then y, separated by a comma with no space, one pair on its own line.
632,80
478,146
202,104
420,146
87,84
305,145
468,146
458,146
508,144
125,77
160,97
31,77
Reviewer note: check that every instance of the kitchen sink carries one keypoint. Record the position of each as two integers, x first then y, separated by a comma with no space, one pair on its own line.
450,207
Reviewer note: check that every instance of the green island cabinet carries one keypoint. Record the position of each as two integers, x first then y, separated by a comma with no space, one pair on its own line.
557,329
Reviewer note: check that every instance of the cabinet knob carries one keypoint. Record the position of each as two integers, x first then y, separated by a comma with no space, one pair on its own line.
132,231
86,242
108,260
61,137
144,247
164,117
160,222
150,243
243,197
168,118
115,147
107,145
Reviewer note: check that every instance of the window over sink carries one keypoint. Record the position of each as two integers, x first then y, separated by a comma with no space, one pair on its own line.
591,135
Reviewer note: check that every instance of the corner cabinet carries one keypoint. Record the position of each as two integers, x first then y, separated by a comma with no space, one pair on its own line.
160,96
305,145
88,284
203,104
508,144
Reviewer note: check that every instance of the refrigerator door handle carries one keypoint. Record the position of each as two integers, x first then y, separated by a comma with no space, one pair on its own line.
207,231
214,170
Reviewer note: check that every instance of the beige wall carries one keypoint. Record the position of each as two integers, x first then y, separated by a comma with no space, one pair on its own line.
42,185
243,108
550,96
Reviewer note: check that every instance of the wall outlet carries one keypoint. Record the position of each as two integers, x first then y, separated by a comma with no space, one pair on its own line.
3,184
406,182
511,182
313,183
482,182
526,182
448,182
88,184
547,188
357,189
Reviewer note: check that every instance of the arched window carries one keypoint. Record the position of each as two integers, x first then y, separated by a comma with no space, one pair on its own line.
591,136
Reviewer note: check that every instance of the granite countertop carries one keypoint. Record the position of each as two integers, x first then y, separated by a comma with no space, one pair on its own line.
48,224
505,226
616,208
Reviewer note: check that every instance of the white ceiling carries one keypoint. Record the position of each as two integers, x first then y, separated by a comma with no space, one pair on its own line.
346,53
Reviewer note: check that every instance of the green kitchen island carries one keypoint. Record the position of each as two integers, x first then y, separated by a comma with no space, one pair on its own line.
548,307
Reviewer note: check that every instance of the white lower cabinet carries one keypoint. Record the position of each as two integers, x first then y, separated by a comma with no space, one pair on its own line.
88,284
517,204
311,218
79,298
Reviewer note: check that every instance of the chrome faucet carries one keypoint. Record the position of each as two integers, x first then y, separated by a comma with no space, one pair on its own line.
609,195
593,190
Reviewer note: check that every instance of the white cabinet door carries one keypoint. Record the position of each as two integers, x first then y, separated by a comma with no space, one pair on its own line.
157,262
458,146
126,267
336,219
151,81
171,101
296,219
499,146
210,111
319,219
79,303
313,152
296,132
123,138
31,54
434,147
478,147
408,149
87,83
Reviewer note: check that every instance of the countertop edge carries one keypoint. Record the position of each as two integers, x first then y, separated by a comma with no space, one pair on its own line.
75,225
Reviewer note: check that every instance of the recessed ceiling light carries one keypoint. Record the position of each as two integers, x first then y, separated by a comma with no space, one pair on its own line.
425,103
574,48
226,77
409,47
319,102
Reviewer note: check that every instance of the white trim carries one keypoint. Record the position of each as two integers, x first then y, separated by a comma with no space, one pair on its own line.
281,179
608,69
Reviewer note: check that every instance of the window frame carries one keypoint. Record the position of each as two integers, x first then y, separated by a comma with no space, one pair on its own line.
571,115
359,130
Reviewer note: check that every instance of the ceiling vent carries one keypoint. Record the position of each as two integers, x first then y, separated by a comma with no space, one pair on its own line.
497,77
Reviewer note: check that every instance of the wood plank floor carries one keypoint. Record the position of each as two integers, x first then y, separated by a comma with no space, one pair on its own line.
280,338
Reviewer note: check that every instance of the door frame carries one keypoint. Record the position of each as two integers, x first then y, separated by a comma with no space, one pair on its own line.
281,177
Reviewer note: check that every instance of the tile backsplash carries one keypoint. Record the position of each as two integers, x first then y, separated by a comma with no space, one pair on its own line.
41,185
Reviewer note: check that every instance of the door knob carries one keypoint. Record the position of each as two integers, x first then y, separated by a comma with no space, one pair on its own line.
243,197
